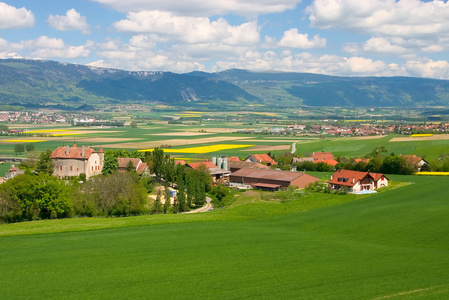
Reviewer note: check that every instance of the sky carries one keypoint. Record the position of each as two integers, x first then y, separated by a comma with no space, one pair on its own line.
333,37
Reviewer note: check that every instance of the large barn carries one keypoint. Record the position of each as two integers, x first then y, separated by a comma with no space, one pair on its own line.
269,179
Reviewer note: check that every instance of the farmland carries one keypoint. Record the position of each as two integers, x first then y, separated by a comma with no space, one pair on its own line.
390,245
213,138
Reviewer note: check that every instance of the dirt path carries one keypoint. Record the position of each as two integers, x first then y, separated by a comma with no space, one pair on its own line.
207,207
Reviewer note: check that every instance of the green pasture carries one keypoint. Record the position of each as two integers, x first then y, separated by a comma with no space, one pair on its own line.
390,245
4,168
353,147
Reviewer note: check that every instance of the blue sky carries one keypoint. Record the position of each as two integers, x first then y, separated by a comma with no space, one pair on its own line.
335,37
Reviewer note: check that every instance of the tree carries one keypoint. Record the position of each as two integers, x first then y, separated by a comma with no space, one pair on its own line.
29,147
19,148
157,206
158,159
32,197
167,197
133,124
45,163
110,164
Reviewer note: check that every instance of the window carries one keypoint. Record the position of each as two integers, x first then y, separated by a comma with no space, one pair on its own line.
71,168
92,168
61,168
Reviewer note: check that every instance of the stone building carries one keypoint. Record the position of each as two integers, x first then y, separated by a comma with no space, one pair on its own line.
73,161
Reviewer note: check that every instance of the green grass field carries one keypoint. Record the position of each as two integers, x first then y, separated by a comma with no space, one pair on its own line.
390,245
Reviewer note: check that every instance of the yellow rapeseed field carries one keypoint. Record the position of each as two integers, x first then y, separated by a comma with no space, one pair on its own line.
23,141
422,135
202,149
433,173
48,130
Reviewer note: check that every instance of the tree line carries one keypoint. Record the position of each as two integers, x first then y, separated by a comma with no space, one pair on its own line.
39,195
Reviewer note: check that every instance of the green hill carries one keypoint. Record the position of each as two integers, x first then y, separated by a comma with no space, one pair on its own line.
321,90
35,82
391,245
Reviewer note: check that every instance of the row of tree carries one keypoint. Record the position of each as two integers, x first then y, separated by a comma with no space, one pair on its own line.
39,195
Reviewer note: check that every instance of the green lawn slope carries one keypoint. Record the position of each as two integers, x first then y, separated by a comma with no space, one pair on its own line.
390,245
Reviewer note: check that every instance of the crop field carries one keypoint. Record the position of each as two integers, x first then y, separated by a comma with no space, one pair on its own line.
390,245
217,134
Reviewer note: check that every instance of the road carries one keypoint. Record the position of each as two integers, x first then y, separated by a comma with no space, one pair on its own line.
207,207
293,147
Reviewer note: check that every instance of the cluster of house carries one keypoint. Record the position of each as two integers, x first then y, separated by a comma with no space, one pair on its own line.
324,157
253,172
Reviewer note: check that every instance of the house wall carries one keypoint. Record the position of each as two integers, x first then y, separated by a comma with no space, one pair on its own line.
381,182
74,167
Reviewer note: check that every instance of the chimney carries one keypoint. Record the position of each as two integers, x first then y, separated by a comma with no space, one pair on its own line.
66,150
82,151
332,176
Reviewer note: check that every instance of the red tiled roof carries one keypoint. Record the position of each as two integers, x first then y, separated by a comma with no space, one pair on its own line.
365,160
141,168
180,162
123,162
412,158
331,162
208,164
322,156
348,176
73,152
263,158
234,158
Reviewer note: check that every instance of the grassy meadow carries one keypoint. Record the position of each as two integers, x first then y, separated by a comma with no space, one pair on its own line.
389,245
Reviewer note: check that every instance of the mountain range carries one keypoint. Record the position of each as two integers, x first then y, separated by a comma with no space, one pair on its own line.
38,82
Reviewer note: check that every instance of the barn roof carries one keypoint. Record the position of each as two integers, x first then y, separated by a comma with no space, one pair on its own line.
246,164
268,174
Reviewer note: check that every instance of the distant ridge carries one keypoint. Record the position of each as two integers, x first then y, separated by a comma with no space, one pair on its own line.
40,82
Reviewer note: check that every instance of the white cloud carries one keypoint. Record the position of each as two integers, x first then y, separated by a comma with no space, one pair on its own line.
293,39
204,8
189,29
15,18
139,55
45,47
71,21
405,18
428,68
312,63
381,45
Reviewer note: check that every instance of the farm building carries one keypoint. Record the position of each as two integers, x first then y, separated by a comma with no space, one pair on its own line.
415,160
73,161
261,158
269,179
320,156
138,165
357,181
216,172
237,165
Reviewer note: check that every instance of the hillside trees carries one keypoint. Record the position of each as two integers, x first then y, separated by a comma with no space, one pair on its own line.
118,194
45,163
32,197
